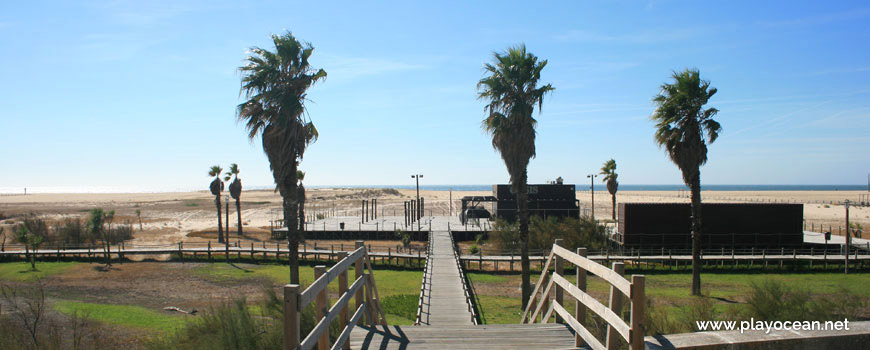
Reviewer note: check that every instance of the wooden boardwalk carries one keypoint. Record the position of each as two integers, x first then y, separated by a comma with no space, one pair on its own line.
461,337
444,300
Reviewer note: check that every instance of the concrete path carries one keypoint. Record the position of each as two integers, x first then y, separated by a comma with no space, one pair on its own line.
444,303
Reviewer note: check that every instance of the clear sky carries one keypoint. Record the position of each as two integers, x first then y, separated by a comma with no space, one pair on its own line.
143,93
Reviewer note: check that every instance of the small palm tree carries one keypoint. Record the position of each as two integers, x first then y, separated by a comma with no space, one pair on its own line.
275,84
610,175
139,216
684,128
216,187
511,90
301,195
236,193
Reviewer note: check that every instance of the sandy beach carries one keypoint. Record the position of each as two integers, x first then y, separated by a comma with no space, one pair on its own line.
184,216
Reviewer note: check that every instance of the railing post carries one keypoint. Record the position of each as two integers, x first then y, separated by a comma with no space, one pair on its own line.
291,317
342,290
638,308
358,267
371,313
560,269
322,307
580,309
616,306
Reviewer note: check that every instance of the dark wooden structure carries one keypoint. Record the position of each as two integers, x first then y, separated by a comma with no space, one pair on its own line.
724,225
544,200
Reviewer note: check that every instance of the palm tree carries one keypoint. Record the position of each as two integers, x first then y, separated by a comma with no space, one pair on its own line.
275,85
511,90
301,195
216,187
610,175
236,193
139,216
683,128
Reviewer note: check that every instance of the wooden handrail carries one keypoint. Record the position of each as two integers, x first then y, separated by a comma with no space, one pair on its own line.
595,268
538,286
295,302
318,285
632,331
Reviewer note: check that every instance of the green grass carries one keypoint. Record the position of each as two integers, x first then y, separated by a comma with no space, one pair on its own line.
21,272
670,291
389,282
124,315
191,204
402,305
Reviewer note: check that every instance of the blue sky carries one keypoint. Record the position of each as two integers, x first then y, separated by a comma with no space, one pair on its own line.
143,93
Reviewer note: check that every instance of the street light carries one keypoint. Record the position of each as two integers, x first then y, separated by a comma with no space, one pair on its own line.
417,211
848,236
592,187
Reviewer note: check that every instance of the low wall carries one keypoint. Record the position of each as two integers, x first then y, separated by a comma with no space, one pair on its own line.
353,235
857,337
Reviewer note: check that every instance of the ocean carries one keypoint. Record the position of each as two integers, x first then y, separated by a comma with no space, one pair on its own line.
580,187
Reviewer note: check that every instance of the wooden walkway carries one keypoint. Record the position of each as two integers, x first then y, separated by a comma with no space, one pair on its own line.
444,301
461,337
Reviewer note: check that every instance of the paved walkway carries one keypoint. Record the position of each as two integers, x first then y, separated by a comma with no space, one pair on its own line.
444,303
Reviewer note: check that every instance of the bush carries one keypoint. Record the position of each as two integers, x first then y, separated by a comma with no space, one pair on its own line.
771,300
232,325
25,325
72,232
584,232
473,249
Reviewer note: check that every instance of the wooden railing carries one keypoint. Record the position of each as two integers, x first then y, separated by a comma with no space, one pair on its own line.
363,290
468,296
632,332
427,276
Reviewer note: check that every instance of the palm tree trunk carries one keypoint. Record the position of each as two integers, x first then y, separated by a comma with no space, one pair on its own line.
217,203
613,200
27,255
302,215
523,217
239,214
291,221
696,234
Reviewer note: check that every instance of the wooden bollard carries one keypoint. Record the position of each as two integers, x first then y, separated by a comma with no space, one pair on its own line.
321,308
209,251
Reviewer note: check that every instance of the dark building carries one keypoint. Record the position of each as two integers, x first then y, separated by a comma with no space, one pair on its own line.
724,225
544,200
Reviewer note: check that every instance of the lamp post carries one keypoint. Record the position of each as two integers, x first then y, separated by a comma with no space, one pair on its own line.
417,210
592,189
848,235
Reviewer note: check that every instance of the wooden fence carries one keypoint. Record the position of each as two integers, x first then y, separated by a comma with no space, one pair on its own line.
363,290
632,332
427,276
465,290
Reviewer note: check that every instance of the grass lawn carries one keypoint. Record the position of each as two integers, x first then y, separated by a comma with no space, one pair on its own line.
123,315
395,287
499,298
21,272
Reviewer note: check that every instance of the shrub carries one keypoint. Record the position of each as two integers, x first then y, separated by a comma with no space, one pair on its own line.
576,233
232,325
473,249
772,300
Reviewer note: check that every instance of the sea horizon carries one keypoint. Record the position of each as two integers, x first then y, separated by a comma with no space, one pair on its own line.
456,187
